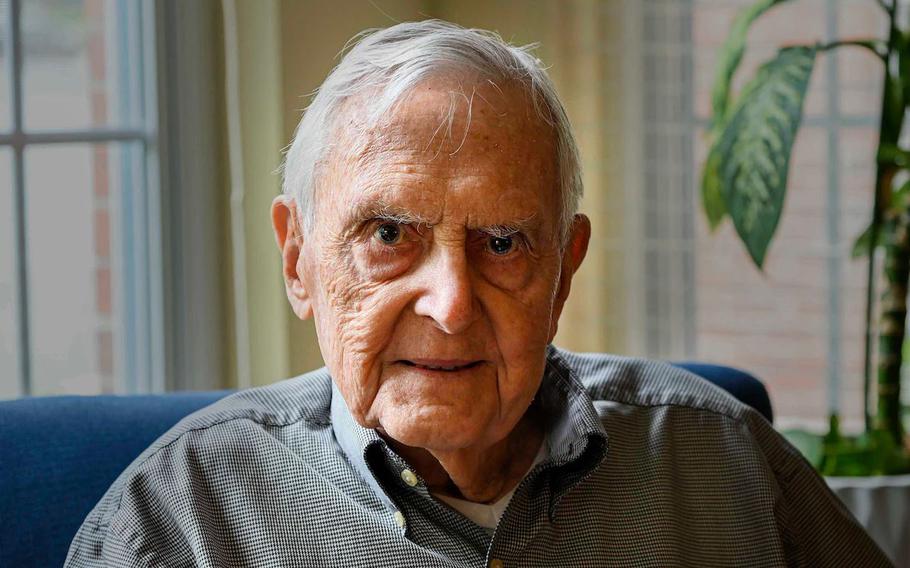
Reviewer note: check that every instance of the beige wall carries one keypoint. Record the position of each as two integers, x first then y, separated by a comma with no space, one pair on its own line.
254,127
290,46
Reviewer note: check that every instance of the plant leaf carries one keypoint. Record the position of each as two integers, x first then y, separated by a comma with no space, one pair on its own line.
712,198
730,56
861,246
810,445
898,201
754,147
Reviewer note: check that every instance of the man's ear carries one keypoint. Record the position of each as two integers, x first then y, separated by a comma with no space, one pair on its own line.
290,241
572,257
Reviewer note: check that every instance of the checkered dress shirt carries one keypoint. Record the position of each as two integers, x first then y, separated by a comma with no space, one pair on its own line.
647,465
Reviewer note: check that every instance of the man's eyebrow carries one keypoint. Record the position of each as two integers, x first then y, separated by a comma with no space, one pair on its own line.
369,210
521,225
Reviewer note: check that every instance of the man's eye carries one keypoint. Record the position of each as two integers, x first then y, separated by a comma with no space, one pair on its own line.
388,234
501,246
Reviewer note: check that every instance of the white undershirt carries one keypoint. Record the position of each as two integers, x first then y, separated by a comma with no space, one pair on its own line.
488,515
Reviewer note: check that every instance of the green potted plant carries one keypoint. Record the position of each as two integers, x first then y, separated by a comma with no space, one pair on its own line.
745,179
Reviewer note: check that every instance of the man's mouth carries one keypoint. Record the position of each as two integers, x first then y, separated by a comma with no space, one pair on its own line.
446,365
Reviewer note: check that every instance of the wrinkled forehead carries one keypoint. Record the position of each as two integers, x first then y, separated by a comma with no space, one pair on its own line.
457,103
450,126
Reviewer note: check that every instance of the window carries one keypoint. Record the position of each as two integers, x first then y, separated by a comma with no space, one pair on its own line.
798,326
78,302
668,203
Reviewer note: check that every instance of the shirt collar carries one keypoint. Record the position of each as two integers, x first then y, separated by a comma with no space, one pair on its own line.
576,439
357,443
572,421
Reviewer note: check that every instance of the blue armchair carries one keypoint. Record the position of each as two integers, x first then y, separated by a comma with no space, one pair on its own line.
58,455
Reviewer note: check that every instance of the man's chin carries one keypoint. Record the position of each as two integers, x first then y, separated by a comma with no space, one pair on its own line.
447,434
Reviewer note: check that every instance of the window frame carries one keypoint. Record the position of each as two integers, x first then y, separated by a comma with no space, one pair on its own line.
140,322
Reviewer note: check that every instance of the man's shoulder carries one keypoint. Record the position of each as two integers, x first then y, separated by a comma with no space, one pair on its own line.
305,399
647,383
293,412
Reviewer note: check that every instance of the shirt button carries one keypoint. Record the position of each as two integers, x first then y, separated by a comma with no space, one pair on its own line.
399,519
496,563
408,476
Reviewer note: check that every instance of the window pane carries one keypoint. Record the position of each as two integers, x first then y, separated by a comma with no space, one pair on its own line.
74,196
79,66
9,374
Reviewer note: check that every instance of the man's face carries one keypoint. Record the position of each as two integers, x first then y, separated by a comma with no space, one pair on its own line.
434,269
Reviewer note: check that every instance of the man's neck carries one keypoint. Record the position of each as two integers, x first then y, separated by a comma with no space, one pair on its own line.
482,475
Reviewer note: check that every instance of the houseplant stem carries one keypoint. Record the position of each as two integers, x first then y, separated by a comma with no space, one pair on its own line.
893,319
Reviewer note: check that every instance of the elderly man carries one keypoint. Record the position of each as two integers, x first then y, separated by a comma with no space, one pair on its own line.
429,226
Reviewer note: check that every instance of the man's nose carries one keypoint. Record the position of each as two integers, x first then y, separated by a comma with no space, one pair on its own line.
447,292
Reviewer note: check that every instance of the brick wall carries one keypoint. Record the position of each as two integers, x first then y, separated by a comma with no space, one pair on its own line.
98,87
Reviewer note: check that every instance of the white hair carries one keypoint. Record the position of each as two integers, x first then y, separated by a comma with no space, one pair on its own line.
391,62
